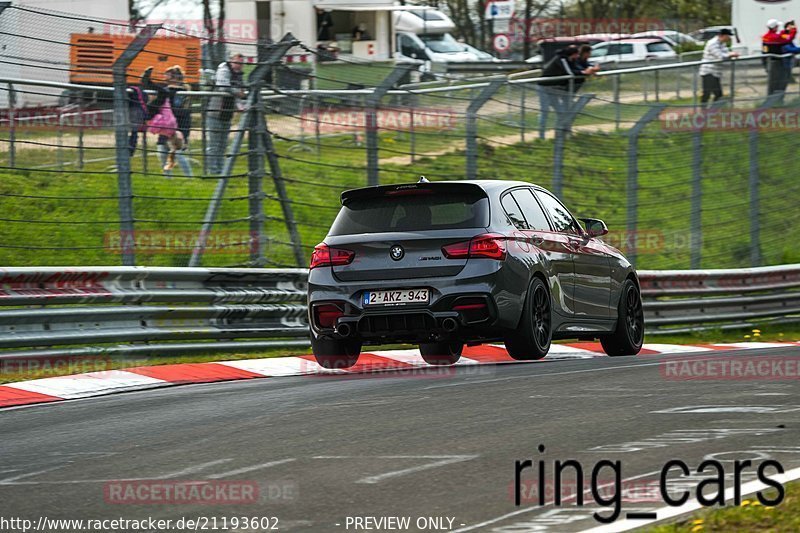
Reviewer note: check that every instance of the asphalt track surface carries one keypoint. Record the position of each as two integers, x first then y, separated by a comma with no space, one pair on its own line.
436,443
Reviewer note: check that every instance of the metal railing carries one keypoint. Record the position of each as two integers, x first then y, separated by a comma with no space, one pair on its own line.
681,301
97,307
143,310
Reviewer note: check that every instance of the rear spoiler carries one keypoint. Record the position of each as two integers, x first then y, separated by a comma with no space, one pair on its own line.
411,189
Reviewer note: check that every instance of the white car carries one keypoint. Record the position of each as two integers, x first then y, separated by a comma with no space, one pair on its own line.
632,50
673,37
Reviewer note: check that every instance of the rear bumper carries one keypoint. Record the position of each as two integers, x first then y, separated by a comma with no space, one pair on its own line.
440,319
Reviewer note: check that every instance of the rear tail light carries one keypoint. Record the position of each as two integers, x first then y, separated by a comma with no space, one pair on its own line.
488,245
326,315
326,256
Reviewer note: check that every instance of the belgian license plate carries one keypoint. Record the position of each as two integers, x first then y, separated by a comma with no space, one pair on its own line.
398,297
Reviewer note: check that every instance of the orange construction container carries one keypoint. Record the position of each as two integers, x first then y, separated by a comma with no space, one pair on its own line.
93,54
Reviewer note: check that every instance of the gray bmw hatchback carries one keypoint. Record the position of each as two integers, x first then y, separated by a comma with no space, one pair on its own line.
446,264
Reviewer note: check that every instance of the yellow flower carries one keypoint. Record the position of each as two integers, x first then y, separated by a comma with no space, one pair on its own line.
756,331
747,336
755,503
756,334
745,503
697,522
697,528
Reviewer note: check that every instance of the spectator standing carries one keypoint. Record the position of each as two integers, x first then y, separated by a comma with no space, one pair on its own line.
711,73
161,118
773,42
230,80
790,48
556,93
183,115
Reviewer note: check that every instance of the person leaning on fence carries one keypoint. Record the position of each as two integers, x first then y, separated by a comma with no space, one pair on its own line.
228,79
711,73
582,67
791,48
772,43
556,93
161,118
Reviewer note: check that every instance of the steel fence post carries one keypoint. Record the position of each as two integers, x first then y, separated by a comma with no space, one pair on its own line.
60,143
373,101
412,136
694,87
204,133
617,111
318,140
255,181
696,222
566,113
632,188
657,87
522,112
122,129
80,133
256,77
472,126
733,82
12,127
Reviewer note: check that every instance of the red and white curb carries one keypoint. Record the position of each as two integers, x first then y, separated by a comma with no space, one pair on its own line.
146,377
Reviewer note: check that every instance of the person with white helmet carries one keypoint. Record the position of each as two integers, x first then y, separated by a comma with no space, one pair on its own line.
772,43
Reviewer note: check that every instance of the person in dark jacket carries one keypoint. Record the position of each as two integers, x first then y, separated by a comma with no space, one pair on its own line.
557,93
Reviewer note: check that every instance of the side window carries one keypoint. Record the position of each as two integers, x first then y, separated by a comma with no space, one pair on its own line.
532,210
513,212
561,218
626,49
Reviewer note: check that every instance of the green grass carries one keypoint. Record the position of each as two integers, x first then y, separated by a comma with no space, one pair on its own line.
749,517
39,228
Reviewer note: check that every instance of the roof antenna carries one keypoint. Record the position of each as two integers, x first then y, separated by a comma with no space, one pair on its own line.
423,179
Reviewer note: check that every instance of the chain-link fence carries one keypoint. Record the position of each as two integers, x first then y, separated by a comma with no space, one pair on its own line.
257,180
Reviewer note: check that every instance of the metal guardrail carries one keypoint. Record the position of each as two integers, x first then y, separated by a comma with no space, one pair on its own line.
51,309
681,301
91,310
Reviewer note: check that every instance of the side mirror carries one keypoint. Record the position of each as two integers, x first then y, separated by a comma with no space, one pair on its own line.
594,227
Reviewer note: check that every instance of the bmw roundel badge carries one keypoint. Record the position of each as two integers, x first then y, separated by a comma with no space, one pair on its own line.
397,252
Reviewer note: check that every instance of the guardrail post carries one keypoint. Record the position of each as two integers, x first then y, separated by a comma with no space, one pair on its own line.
373,100
472,125
257,76
633,178
121,131
566,115
12,126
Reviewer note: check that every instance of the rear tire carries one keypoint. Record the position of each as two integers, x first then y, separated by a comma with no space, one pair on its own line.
531,340
441,353
629,335
335,354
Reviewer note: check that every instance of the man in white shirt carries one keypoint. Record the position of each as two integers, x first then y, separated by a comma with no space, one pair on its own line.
711,73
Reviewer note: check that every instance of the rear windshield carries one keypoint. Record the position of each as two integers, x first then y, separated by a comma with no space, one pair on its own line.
418,212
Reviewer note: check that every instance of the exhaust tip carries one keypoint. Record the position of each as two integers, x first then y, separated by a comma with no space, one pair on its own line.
344,330
449,325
